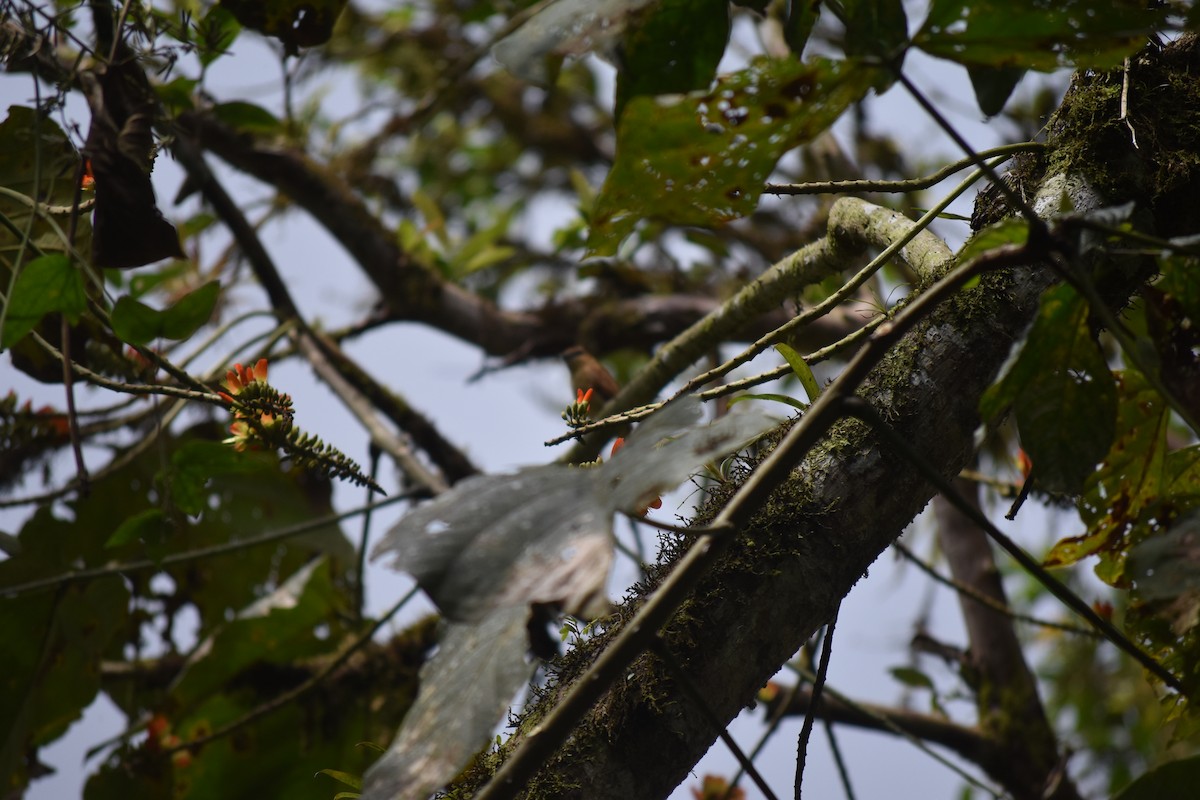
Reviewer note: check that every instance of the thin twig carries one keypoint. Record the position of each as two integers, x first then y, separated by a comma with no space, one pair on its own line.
96,379
659,648
1125,103
846,290
282,700
964,741
818,687
76,576
839,762
863,410
910,185
1015,200
983,599
360,571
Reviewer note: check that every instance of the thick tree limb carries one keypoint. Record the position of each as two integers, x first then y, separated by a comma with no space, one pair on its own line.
820,530
968,742
1010,710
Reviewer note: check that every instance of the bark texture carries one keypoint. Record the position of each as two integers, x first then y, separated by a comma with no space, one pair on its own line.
852,496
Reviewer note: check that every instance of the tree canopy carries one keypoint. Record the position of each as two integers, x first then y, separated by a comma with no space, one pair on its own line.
801,329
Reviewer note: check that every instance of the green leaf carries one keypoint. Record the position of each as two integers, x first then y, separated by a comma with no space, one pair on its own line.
151,526
1179,282
279,628
1008,231
674,48
32,144
353,781
195,463
486,257
802,15
773,397
1063,393
701,159
52,647
137,323
1037,34
912,677
1166,565
296,23
993,86
435,220
802,370
248,118
47,284
216,32
1116,496
176,94
1173,779
877,29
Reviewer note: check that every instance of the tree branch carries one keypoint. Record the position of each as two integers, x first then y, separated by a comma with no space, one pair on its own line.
411,290
847,500
1010,710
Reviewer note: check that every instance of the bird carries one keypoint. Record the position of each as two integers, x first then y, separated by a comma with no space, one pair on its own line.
588,373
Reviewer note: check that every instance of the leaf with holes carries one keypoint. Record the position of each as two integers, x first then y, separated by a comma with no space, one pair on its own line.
702,158
1035,34
1116,496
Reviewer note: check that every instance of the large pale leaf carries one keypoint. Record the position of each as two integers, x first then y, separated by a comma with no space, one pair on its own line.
543,535
492,547
565,28
465,690
539,536
702,158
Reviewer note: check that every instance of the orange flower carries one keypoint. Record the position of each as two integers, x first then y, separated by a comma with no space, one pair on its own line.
88,181
242,434
582,397
1024,463
714,787
240,377
55,421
